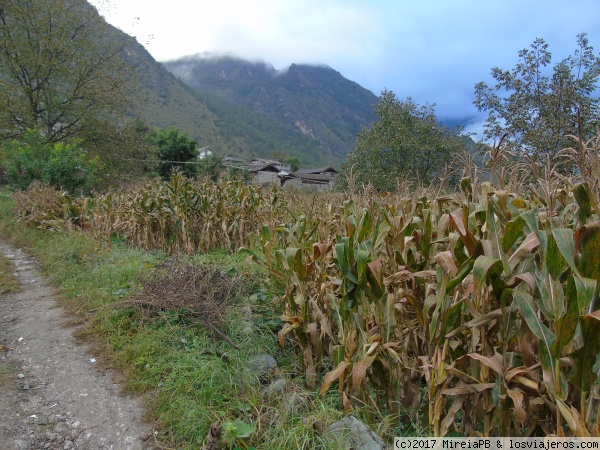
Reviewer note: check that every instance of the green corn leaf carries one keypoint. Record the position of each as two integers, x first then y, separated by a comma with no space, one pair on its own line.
531,219
450,321
563,237
461,275
586,202
485,268
524,302
551,295
587,244
342,262
586,291
555,262
512,231
584,358
362,259
564,327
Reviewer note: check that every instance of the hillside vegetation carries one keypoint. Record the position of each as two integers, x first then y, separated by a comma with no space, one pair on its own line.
310,110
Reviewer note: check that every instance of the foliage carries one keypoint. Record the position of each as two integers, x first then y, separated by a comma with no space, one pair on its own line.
63,166
294,162
175,149
407,141
62,72
535,109
210,166
236,430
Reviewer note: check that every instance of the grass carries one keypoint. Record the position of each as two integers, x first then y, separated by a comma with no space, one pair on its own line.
8,375
188,377
9,284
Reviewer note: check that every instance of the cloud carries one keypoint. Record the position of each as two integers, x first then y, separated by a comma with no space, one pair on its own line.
434,51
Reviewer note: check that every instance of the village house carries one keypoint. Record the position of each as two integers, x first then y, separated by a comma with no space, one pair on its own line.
320,179
270,171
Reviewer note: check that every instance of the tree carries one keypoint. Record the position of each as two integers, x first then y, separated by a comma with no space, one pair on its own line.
62,71
535,108
294,162
175,149
406,141
211,166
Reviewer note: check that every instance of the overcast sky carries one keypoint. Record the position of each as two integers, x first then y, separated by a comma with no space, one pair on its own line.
432,50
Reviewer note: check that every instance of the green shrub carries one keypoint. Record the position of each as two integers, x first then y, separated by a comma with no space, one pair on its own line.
61,165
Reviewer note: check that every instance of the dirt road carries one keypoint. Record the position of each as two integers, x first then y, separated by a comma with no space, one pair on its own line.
51,394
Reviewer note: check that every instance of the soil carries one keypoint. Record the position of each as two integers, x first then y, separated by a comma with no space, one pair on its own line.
52,395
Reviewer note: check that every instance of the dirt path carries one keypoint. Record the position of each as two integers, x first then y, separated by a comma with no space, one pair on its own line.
51,394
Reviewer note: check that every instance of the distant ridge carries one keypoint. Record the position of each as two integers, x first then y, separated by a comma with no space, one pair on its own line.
250,109
308,111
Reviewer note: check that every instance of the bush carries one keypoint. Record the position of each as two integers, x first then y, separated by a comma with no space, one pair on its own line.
63,166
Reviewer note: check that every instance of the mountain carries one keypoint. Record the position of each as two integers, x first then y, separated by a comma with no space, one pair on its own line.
312,112
247,109
163,101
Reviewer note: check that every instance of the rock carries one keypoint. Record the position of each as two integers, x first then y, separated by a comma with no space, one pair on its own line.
68,445
360,436
277,387
262,364
42,420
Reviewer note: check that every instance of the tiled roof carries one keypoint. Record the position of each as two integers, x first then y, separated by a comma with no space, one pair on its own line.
263,168
317,170
311,177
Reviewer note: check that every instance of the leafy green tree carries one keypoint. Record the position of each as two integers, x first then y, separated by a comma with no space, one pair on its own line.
211,166
64,166
175,149
294,162
62,71
534,107
407,141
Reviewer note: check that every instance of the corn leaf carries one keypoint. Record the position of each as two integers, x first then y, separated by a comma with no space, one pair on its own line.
564,327
468,389
485,267
563,238
584,358
359,369
512,231
524,302
333,375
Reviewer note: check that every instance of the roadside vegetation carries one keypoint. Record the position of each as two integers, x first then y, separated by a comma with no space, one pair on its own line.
189,376
403,308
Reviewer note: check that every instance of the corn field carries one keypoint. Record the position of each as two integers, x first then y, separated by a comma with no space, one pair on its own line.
476,312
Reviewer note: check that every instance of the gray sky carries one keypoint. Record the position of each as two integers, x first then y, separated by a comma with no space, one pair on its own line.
432,50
